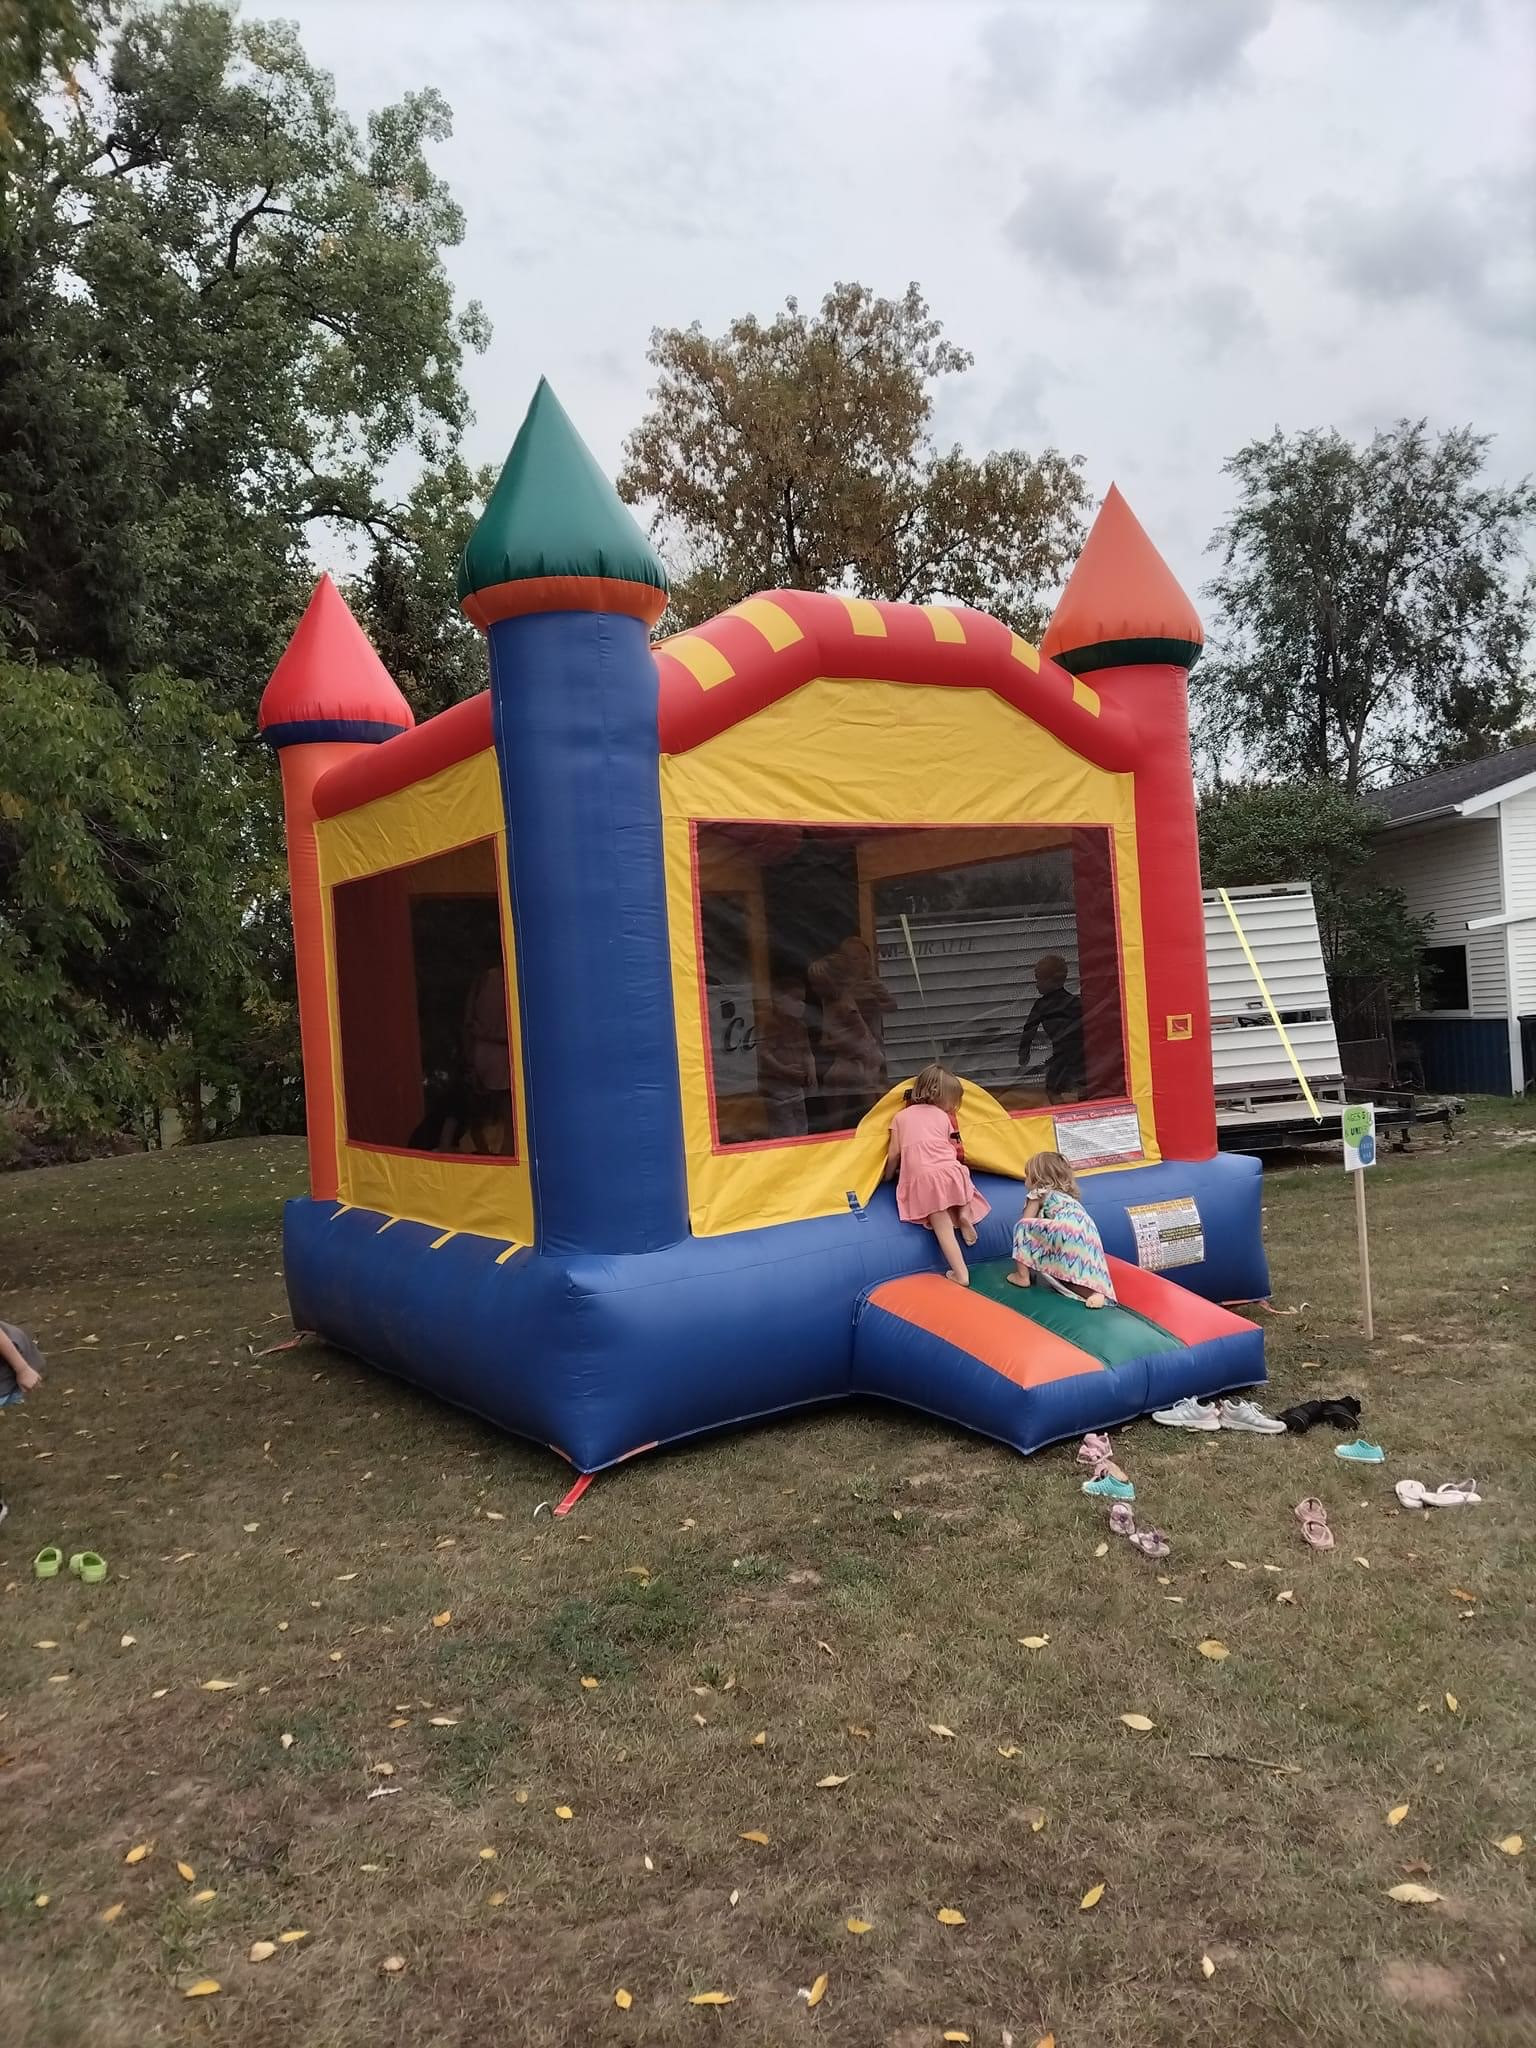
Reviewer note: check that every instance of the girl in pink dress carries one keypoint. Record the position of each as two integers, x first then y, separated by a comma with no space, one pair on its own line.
933,1183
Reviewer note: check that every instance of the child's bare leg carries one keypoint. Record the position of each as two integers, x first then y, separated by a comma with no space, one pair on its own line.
944,1231
1021,1275
963,1223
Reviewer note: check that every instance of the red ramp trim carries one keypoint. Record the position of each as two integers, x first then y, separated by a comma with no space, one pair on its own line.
1010,1344
1189,1317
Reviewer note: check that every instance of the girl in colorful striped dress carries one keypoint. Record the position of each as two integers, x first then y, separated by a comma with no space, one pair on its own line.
1056,1241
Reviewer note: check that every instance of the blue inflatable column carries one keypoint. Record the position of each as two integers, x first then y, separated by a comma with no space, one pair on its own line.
565,585
574,711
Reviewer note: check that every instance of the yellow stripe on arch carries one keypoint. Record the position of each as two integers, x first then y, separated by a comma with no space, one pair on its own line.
945,623
1022,650
702,659
770,619
1085,695
865,616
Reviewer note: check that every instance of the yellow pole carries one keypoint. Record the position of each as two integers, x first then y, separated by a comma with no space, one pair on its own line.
1269,1004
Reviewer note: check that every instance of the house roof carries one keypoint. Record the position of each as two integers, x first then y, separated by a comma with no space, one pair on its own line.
1123,607
555,535
749,657
1447,790
330,684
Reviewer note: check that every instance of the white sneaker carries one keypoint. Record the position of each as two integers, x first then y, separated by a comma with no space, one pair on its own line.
1244,1415
1188,1414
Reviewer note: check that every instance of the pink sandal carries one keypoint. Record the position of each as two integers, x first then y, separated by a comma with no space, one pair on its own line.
1313,1517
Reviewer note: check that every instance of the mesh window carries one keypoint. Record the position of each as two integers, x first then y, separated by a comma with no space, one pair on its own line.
422,995
839,961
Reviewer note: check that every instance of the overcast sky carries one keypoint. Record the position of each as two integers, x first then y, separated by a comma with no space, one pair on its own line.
1161,226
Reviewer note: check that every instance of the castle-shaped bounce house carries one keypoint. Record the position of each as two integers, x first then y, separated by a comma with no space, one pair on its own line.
611,979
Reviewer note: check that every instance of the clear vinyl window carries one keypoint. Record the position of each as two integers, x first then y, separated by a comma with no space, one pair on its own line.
421,979
838,961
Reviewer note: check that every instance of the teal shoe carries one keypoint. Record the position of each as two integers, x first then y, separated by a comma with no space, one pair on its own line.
1361,1453
1110,1489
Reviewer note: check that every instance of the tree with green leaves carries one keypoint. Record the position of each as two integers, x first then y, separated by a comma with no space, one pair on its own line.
1374,616
1260,833
800,452
224,313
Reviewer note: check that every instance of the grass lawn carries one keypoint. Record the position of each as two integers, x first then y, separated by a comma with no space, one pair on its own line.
783,1627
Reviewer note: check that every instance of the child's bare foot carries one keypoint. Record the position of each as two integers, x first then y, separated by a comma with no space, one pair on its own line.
1017,1279
1094,1301
959,1275
967,1233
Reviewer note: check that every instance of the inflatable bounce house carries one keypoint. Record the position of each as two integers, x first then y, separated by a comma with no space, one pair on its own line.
611,978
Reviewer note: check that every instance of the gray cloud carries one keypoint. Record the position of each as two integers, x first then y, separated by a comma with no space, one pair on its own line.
1224,318
1182,49
1468,251
1018,51
1070,223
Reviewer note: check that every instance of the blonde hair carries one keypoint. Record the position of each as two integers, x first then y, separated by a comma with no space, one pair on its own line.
1050,1170
937,1085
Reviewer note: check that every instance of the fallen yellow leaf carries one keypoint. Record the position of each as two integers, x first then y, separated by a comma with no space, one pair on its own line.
1512,1845
760,1739
1207,1967
938,1728
497,1899
948,1917
46,1644
954,2034
1397,1816
756,1835
202,1898
564,1813
489,1855
1037,1817
856,1926
622,1999
1452,1704
261,1951
112,1913
1102,1550
1213,1649
859,1734
41,1899
384,1770
286,1741
817,1992
1090,1898
292,1935
399,1721
217,1685
443,1721
1010,1750
393,1965
589,1685
713,1998
205,1987
185,1870
830,1782
1413,1895
1137,1721
1286,1598
1034,1642
138,1852
442,1620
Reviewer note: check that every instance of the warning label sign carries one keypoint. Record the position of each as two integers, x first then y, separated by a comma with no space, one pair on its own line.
1168,1233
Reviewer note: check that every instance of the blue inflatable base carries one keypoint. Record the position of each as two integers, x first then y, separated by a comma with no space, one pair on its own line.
601,1357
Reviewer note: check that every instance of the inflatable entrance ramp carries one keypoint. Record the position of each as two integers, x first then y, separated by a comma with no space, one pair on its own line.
1029,1367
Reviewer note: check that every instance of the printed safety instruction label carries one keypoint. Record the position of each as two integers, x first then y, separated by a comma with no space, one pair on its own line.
1168,1233
1099,1137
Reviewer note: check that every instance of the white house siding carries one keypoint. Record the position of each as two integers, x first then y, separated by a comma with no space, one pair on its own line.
1518,818
1450,872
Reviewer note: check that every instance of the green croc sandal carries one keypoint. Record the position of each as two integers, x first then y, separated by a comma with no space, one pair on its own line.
46,1563
88,1567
